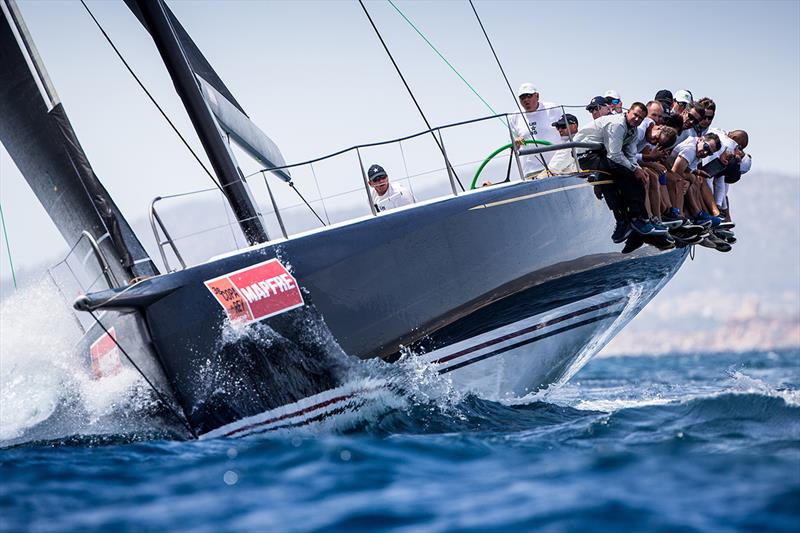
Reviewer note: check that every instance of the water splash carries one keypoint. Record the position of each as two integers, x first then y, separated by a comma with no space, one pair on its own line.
45,390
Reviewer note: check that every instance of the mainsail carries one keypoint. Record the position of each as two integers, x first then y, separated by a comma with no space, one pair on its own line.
39,138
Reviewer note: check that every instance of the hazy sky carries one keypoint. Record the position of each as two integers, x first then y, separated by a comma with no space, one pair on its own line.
314,77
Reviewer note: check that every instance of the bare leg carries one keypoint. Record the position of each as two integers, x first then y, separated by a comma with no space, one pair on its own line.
708,198
694,200
676,187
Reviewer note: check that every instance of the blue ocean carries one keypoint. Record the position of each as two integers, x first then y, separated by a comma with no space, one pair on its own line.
692,442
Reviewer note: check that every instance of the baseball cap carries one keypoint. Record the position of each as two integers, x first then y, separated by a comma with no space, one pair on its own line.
571,119
527,88
664,96
611,93
684,96
375,172
597,102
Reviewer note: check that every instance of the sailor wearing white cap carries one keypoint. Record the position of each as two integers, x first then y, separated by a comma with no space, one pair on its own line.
535,122
614,100
681,101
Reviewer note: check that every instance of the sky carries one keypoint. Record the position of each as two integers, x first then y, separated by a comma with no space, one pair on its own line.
315,78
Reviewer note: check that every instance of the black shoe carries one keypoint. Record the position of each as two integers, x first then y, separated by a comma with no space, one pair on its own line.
634,242
621,232
662,242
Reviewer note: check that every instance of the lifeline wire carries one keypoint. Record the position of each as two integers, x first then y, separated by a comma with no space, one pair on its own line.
399,73
181,419
516,100
174,128
8,248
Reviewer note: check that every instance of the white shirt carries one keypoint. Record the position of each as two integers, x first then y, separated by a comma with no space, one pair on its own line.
395,196
641,138
685,134
687,150
539,122
726,144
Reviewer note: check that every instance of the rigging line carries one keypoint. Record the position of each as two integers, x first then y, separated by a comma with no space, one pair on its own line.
181,419
399,73
8,247
319,192
497,59
291,185
444,59
152,99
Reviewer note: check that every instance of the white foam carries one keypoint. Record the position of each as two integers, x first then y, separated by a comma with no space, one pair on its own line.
37,334
41,373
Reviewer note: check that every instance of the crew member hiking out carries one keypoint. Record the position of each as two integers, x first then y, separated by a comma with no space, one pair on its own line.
617,158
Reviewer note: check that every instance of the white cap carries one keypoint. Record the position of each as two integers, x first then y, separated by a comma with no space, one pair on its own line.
527,88
611,93
683,96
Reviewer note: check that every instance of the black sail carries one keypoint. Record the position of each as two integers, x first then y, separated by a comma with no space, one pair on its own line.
37,134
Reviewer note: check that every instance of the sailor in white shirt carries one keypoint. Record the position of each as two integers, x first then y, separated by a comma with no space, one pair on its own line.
534,123
687,156
387,195
733,162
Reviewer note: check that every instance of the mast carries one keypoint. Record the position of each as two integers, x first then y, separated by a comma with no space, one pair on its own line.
234,187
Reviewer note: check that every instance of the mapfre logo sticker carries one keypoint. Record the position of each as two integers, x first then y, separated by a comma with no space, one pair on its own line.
257,292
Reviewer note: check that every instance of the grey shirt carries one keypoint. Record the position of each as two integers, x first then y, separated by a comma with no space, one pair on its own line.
613,132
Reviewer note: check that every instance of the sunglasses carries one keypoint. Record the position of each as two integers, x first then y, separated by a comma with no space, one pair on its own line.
614,101
693,119
379,178
707,149
525,96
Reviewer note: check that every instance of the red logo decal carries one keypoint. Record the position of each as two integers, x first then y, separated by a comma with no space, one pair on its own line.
105,356
257,292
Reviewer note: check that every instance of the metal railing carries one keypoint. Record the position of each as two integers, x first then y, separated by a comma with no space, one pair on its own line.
284,216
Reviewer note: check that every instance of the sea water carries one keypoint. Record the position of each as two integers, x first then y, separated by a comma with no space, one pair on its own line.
684,442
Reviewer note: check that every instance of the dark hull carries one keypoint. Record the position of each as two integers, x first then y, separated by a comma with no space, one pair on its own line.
425,278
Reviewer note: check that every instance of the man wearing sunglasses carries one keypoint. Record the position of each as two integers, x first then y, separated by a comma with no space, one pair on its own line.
535,123
710,108
698,196
598,107
613,100
683,100
692,116
726,166
387,195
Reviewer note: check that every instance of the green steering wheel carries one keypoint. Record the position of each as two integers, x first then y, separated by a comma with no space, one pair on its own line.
501,149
